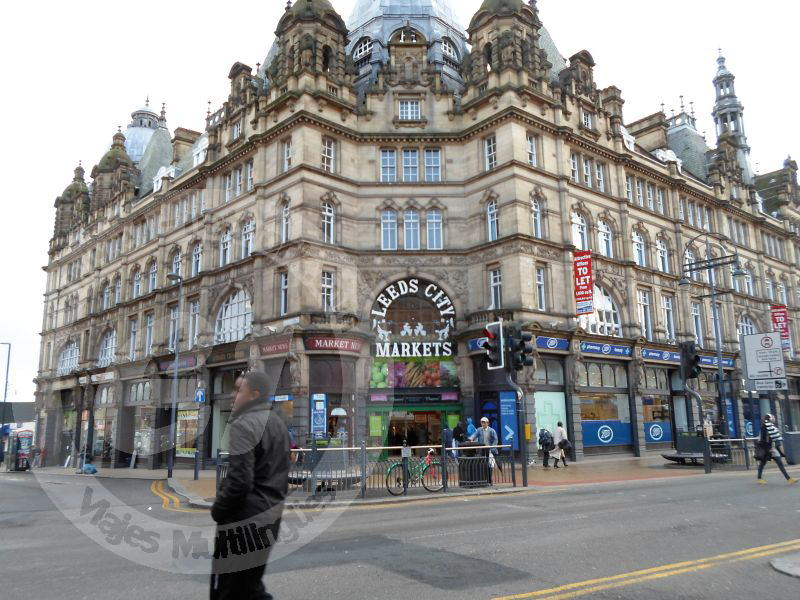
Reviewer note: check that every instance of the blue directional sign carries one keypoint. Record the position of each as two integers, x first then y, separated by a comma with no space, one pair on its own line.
200,395
508,420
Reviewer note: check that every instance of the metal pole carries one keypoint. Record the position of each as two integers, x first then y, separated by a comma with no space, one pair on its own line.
173,412
521,422
3,410
723,405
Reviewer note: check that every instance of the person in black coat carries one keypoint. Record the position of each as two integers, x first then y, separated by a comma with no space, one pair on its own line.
249,503
768,448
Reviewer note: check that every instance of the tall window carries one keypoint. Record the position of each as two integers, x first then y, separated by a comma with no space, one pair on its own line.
697,324
747,326
328,223
639,249
225,244
248,238
490,153
541,288
536,214
194,323
410,110
117,290
411,166
228,186
663,256
149,333
605,238
605,320
363,49
533,154
172,339
250,170
285,223
69,359
580,233
237,176
389,230
629,188
197,259
435,230
328,155
651,196
106,297
234,319
690,260
668,312
177,262
640,192
108,349
388,166
491,220
587,172
284,293
433,165
661,204
153,278
769,289
783,297
495,289
749,288
600,171
287,150
588,119
645,315
328,291
137,285
411,230
575,173
134,339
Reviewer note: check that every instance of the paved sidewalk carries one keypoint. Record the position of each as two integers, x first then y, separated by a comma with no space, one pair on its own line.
788,565
104,473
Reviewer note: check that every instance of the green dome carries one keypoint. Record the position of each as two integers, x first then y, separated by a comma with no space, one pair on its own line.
499,7
115,155
309,8
78,185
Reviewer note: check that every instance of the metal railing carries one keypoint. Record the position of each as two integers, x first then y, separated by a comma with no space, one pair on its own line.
732,454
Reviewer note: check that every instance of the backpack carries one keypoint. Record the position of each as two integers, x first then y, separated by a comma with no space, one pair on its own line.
546,440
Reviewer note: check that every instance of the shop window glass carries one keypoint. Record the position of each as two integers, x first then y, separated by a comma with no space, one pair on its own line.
555,373
650,376
540,375
595,376
583,379
605,407
622,376
662,379
608,376
656,409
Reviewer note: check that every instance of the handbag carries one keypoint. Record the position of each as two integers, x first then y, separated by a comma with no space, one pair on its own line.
565,445
761,453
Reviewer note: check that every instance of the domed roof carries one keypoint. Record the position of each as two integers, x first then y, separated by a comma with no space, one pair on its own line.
78,185
303,8
365,10
501,6
115,155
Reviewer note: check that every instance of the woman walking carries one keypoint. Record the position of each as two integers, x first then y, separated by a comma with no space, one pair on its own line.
768,447
562,445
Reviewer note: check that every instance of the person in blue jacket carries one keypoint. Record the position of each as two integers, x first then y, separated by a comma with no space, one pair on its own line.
470,427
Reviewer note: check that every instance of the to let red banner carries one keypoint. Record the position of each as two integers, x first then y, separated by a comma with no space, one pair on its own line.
780,323
584,283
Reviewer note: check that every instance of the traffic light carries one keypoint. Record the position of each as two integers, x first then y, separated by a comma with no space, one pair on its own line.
690,361
495,346
521,350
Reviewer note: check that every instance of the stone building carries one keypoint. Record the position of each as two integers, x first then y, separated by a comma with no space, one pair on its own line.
365,202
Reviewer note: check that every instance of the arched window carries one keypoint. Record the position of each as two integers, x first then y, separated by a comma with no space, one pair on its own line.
389,230
606,319
106,296
327,59
769,289
136,290
197,259
328,223
235,318
248,238
177,261
639,249
449,50
225,248
749,287
108,349
408,36
580,236
605,239
363,50
536,213
152,281
491,220
663,256
747,326
783,296
435,230
117,290
69,358
487,57
285,223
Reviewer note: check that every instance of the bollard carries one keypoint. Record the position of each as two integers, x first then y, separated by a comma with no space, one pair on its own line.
363,468
196,464
314,460
514,469
746,453
707,454
444,464
406,450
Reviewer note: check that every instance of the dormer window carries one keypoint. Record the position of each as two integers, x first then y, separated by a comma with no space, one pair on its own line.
237,130
588,120
408,36
363,50
410,110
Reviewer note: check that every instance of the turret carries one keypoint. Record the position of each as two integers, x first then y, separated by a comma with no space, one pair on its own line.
729,119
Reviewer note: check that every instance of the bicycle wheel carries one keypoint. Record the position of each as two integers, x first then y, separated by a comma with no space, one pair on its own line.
432,477
394,480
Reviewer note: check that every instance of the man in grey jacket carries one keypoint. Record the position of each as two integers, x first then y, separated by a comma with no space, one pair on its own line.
249,503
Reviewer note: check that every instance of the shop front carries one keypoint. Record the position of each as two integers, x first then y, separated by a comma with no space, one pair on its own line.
106,419
550,396
414,388
138,423
793,400
721,413
605,399
66,425
274,360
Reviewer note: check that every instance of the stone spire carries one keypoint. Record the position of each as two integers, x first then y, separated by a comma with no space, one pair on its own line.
729,119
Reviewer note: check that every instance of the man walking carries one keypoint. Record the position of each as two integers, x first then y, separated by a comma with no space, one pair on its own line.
768,448
249,503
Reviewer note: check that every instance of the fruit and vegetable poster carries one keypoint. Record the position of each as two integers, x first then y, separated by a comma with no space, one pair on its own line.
390,374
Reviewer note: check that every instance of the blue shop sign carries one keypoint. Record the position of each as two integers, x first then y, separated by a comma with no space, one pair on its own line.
282,398
606,349
711,361
551,343
508,420
607,433
662,355
657,432
476,344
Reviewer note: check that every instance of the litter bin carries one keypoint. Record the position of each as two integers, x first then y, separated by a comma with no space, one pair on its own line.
473,467
791,446
19,451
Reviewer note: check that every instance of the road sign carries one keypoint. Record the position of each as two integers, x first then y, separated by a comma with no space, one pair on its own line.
764,356
200,395
771,385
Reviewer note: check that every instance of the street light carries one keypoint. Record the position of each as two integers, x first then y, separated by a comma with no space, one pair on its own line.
3,410
173,413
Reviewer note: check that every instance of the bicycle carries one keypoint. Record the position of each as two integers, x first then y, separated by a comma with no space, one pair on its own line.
424,471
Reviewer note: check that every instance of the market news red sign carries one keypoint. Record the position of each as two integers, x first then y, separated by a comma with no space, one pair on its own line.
584,283
331,343
780,324
275,347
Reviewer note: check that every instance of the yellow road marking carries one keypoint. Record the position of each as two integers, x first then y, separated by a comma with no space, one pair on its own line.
170,495
157,487
157,492
575,590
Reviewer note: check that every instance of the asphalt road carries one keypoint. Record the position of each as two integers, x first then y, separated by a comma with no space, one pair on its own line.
700,538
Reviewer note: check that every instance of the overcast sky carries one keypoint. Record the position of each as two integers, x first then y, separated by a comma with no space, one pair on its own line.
73,71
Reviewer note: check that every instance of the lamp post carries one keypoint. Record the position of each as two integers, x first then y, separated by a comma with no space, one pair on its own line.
3,410
710,265
173,412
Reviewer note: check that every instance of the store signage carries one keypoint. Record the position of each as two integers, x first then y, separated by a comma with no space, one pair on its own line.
379,397
764,356
607,433
319,409
476,344
281,398
606,349
186,362
711,361
413,340
508,420
658,432
780,323
450,397
231,355
99,378
333,344
551,343
584,284
662,355
274,347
